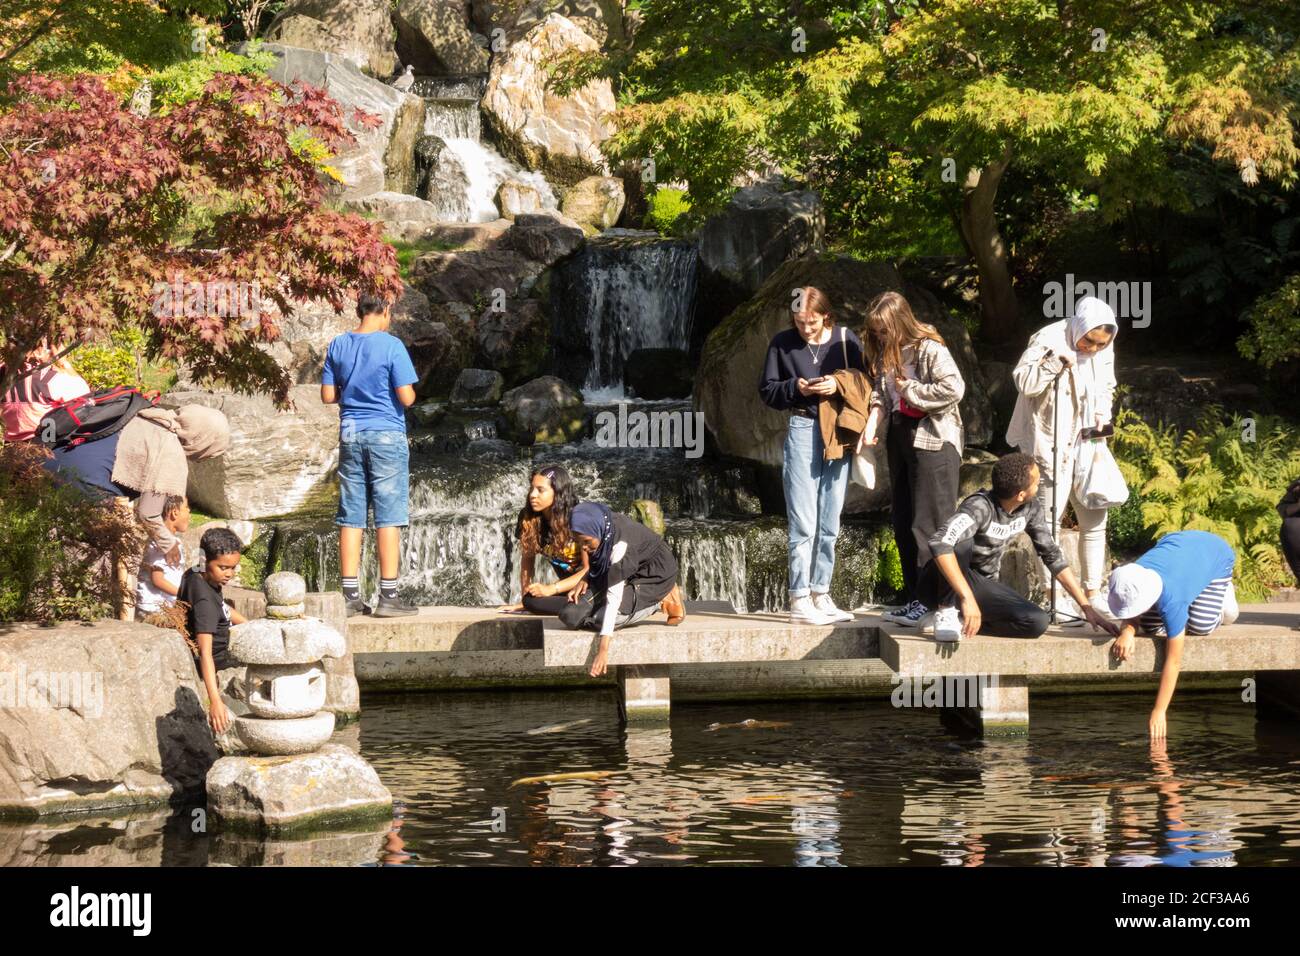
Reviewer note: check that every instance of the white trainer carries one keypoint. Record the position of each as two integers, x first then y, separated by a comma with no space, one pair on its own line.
823,603
947,626
803,611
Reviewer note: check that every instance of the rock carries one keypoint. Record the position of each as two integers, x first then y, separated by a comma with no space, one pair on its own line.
428,413
602,20
477,386
649,513
758,230
659,373
398,207
268,641
560,136
441,177
976,472
595,203
491,449
545,410
383,158
361,30
284,736
439,347
471,277
515,342
285,587
1002,397
285,612
514,198
276,460
543,237
466,236
283,691
726,383
322,790
434,36
127,728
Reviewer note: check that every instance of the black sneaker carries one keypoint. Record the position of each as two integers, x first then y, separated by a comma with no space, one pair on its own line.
357,606
393,607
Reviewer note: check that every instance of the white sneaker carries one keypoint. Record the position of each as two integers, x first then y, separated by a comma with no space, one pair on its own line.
803,611
947,626
823,603
908,616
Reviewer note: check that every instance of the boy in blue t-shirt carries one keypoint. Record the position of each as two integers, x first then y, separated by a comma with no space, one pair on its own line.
1182,586
369,374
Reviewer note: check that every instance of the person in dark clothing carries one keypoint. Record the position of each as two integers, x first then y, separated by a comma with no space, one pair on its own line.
631,574
1289,509
968,550
207,618
797,377
543,528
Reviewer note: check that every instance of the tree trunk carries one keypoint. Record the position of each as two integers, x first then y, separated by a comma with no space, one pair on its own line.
999,312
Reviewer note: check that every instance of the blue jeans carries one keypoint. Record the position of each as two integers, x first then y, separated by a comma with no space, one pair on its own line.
373,473
814,497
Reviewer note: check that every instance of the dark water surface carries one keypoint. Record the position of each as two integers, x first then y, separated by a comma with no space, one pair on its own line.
832,784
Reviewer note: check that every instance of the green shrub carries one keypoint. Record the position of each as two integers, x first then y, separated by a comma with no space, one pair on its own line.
666,209
1224,476
889,569
116,362
56,547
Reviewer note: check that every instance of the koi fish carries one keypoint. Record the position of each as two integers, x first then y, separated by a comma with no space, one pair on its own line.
558,777
750,724
558,728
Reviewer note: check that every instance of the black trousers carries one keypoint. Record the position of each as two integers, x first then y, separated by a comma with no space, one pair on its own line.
1291,544
1003,612
554,604
924,486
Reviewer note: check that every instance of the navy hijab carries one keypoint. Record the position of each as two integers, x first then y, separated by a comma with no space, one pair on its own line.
595,521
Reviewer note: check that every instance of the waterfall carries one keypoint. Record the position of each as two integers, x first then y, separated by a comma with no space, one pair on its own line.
619,294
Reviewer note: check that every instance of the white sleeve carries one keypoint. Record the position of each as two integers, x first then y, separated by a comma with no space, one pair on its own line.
614,593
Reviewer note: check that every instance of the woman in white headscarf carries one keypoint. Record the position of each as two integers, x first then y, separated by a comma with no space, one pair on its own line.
1080,352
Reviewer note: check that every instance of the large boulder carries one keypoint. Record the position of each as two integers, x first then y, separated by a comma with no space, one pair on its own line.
543,237
477,386
514,341
441,178
546,410
434,37
558,135
727,377
473,277
595,203
602,20
361,30
394,207
97,717
384,157
758,230
514,198
277,459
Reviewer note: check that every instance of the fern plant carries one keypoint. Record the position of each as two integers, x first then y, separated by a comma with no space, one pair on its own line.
1224,476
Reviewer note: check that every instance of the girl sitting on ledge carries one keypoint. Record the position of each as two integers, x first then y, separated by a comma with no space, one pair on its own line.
544,528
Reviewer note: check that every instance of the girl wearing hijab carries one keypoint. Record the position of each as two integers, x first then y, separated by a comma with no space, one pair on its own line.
1079,352
544,527
797,376
630,572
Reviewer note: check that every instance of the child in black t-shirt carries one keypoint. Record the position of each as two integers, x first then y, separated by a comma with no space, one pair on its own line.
208,619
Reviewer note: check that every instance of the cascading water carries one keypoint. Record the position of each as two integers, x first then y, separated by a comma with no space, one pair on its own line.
461,174
619,294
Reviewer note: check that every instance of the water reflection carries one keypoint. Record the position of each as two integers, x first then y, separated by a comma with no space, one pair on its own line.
811,784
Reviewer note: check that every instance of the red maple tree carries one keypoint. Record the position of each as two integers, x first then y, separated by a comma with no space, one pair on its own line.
105,213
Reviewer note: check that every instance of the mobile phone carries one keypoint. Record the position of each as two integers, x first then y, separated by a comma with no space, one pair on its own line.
1105,431
817,381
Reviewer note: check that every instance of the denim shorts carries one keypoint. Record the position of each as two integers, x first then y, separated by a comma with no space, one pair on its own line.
373,473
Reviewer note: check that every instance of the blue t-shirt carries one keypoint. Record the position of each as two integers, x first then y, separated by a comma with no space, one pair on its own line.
1187,561
366,367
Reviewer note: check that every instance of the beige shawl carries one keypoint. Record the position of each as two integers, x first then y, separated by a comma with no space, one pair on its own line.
152,452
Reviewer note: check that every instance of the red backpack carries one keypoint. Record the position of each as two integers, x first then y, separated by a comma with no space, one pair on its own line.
91,417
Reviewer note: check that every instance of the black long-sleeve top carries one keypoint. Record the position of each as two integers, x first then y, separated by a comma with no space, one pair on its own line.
789,359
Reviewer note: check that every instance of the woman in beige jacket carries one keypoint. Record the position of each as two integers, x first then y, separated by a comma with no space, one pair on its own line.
1079,352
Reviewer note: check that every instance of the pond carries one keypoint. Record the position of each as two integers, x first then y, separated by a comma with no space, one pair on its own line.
843,783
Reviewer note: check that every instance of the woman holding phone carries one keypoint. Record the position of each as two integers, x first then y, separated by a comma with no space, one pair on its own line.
1073,360
544,527
917,390
797,377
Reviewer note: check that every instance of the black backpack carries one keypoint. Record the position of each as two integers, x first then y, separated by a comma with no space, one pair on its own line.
90,417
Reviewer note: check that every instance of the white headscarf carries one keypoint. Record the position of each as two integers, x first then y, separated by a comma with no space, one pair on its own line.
1091,313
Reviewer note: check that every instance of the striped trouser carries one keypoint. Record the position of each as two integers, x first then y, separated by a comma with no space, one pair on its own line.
1215,605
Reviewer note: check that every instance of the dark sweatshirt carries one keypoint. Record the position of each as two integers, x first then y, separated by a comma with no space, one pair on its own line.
789,359
980,517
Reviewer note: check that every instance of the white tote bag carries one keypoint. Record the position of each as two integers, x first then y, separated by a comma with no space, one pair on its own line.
1097,478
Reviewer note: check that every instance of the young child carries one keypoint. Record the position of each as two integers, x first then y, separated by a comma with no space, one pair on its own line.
1181,586
160,579
369,374
968,551
207,617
